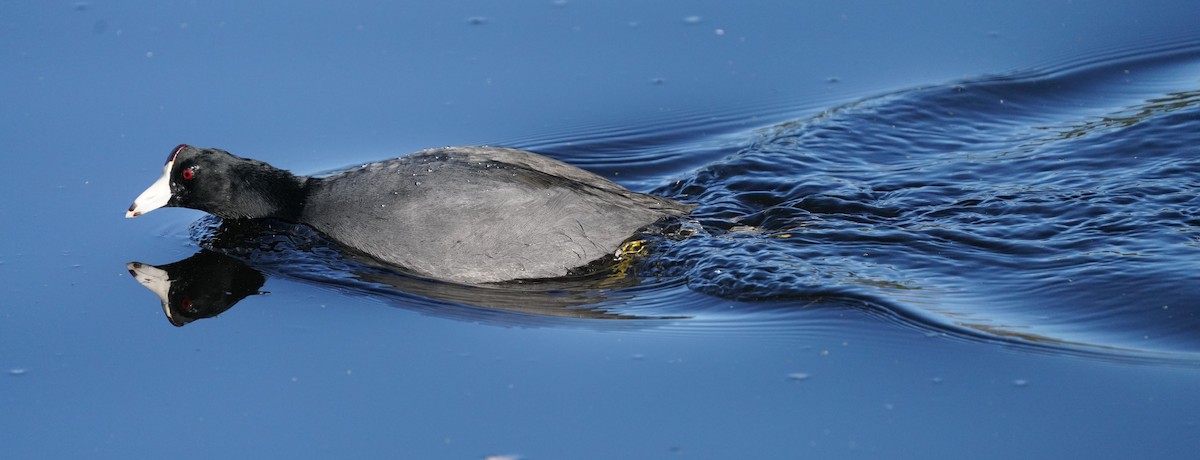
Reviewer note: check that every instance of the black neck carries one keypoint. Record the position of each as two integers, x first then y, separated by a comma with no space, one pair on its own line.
263,191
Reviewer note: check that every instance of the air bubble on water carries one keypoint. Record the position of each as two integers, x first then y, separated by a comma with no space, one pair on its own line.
1020,382
692,20
17,371
798,376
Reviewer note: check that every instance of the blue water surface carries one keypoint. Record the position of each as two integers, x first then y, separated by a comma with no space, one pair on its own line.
924,229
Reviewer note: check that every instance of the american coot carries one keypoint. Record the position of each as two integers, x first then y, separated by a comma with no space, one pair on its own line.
461,214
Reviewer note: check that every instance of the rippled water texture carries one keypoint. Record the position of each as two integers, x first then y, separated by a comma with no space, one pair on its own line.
1055,209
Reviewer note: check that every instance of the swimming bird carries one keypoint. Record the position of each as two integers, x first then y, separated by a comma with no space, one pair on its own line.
468,215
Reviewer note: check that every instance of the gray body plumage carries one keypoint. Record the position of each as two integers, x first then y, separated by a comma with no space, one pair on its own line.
480,214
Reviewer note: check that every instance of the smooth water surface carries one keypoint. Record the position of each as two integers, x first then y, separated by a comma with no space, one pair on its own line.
924,230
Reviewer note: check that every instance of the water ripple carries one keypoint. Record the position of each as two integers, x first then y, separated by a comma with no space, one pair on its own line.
1053,207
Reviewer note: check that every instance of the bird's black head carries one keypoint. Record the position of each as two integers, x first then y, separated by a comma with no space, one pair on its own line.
217,182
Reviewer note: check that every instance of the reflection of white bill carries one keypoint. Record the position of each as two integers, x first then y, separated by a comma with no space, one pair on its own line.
156,280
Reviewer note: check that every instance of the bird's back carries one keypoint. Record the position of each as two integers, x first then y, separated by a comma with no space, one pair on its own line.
479,214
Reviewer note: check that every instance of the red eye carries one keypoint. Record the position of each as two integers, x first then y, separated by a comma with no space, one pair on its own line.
186,304
187,174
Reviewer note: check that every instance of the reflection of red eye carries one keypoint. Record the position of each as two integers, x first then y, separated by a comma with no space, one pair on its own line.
187,174
186,305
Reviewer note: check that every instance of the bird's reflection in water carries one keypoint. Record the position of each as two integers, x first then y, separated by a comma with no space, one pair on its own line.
237,254
201,286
